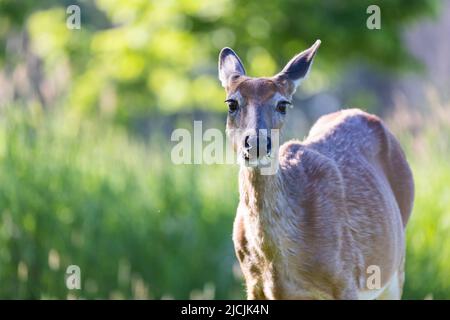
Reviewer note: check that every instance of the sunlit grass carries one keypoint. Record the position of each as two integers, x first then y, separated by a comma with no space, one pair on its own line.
77,191
425,135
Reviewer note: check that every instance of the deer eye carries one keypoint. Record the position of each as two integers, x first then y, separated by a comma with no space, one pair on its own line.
232,105
282,105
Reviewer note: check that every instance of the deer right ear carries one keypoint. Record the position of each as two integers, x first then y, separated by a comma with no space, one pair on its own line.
229,65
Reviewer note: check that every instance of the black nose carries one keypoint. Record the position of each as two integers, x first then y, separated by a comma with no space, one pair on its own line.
251,142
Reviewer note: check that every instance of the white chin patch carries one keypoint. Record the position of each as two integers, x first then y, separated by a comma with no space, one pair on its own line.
261,162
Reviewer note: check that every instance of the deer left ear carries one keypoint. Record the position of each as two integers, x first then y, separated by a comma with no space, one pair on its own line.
297,69
229,65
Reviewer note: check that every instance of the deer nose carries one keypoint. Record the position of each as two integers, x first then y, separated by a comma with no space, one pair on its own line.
256,146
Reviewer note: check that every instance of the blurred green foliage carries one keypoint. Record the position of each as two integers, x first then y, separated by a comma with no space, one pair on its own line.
148,56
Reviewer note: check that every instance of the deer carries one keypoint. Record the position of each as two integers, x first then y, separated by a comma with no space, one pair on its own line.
337,205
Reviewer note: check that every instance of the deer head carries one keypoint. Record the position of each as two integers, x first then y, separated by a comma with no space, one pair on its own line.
257,106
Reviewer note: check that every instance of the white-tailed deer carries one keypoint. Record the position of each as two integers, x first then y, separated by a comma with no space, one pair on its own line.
337,206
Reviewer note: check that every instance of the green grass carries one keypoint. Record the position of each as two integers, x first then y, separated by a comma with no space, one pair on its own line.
81,192
428,233
425,136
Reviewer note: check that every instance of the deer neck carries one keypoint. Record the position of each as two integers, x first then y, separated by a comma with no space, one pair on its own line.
258,191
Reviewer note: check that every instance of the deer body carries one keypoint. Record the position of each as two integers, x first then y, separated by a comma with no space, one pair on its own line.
338,204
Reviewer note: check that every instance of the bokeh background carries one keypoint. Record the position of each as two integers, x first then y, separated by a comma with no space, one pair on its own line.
86,118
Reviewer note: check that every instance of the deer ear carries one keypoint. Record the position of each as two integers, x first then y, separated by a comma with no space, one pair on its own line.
297,69
229,65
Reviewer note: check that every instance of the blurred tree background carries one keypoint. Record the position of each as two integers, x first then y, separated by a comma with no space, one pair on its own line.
86,117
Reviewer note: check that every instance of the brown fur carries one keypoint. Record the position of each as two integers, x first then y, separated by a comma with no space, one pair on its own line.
338,203
328,213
